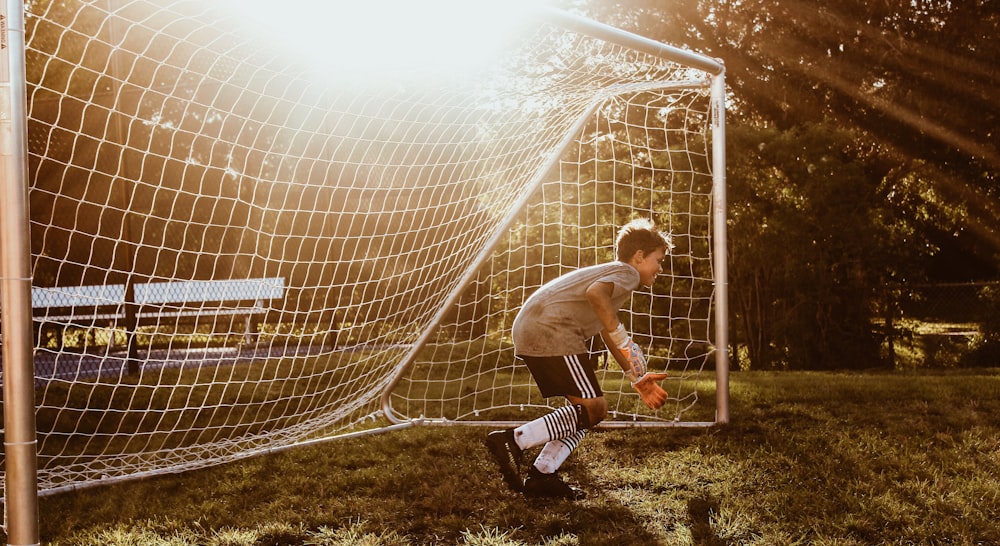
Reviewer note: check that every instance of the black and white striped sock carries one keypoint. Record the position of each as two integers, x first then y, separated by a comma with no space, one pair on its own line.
559,424
555,452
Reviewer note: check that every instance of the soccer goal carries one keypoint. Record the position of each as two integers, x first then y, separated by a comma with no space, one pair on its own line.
234,251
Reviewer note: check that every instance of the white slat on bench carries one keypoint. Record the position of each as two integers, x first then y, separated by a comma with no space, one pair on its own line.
174,298
93,296
206,291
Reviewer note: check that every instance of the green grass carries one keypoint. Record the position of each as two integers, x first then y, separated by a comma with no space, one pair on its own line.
809,458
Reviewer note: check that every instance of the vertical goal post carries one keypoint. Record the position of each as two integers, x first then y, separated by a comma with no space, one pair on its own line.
19,436
376,237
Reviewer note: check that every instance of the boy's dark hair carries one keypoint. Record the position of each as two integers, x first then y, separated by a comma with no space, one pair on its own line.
641,234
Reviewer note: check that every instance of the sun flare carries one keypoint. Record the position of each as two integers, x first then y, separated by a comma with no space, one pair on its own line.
390,38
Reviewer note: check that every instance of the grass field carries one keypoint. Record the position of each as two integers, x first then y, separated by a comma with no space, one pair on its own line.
809,458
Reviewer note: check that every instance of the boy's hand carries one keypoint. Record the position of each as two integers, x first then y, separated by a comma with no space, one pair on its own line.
648,387
630,352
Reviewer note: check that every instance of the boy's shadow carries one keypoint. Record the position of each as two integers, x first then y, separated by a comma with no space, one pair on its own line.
701,510
702,507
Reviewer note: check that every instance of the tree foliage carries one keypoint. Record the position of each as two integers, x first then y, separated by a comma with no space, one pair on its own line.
813,242
862,144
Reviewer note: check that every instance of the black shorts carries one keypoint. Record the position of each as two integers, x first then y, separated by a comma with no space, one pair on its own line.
572,375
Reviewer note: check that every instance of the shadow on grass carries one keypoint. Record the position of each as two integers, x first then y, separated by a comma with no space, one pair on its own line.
415,492
701,511
598,519
426,486
811,458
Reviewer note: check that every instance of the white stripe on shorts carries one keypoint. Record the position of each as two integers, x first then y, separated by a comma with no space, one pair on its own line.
576,370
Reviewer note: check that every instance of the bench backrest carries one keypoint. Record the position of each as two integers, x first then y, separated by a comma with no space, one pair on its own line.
95,300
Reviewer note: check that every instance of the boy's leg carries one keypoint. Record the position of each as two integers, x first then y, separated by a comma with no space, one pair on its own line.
571,376
507,446
561,423
555,453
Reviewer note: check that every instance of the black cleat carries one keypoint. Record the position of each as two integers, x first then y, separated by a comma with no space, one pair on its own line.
508,456
551,486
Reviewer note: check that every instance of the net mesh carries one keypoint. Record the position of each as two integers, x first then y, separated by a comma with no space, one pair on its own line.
234,252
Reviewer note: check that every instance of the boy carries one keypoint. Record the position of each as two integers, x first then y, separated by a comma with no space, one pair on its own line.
550,335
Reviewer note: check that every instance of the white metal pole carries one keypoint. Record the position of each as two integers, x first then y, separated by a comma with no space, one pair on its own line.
719,234
21,472
634,41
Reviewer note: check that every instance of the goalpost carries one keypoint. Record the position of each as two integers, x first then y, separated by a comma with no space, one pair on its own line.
233,253
645,146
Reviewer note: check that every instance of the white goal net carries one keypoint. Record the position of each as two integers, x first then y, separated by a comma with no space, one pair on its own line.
235,250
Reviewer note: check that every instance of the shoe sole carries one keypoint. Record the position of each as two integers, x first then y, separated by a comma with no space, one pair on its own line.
501,453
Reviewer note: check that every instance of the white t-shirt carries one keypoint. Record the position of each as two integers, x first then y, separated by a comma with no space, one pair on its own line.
557,320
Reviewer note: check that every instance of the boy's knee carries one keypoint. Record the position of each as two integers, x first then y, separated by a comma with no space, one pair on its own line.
594,420
593,412
599,414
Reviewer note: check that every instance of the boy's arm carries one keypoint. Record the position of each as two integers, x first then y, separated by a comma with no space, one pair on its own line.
599,296
626,352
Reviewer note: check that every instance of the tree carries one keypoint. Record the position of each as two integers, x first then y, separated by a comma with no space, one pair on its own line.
915,79
813,246
861,144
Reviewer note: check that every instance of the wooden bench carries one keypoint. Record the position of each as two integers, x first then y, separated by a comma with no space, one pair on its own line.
186,301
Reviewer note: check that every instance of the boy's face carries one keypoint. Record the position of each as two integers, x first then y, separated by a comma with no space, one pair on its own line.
648,265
